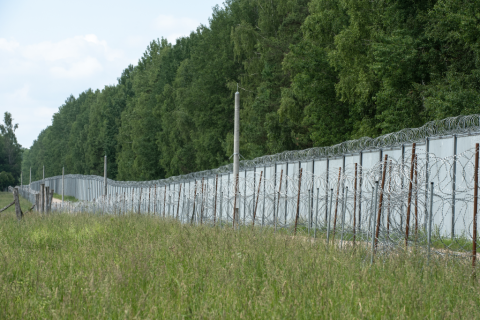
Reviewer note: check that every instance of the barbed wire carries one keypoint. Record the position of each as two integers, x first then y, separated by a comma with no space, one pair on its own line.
387,206
446,127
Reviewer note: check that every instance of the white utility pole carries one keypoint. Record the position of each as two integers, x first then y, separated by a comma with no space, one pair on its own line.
63,182
236,151
105,175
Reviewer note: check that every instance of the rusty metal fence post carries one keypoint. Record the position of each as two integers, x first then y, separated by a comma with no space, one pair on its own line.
409,202
343,216
430,217
278,203
475,204
298,201
316,217
256,202
379,215
355,206
336,202
373,214
178,205
329,217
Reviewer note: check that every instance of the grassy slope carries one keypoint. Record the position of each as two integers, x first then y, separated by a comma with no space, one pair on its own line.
90,267
6,198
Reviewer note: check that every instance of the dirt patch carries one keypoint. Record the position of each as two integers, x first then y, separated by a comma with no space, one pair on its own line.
56,200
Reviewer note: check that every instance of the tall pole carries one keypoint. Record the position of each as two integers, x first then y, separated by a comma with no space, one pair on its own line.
475,202
63,181
105,176
30,184
256,202
379,216
372,217
430,216
21,179
236,152
298,201
43,174
354,205
407,226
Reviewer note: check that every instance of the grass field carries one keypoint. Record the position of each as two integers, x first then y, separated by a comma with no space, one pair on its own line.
6,198
88,267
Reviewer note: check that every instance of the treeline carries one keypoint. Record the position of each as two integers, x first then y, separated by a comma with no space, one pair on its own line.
311,73
10,153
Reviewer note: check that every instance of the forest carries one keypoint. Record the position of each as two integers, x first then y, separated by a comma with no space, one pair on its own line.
10,153
309,72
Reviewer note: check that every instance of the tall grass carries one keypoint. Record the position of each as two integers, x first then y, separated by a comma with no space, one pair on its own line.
7,197
90,266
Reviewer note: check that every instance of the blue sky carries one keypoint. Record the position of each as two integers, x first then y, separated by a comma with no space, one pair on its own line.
50,49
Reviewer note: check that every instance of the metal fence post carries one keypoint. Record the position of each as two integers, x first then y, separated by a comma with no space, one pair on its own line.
256,202
63,183
381,201
430,216
373,214
355,205
298,201
336,202
278,201
329,217
105,175
316,217
343,215
454,183
475,204
407,226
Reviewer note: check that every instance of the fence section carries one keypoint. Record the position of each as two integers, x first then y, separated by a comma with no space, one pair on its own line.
373,191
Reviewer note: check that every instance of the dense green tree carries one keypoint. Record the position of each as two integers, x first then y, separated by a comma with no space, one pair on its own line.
196,109
453,27
6,180
262,40
311,102
310,73
10,149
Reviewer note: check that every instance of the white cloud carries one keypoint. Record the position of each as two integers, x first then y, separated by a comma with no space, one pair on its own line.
20,95
26,111
83,68
76,57
70,49
9,46
139,40
35,78
164,22
46,53
93,38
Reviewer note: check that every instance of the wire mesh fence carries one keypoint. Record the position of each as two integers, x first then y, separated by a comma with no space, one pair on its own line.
417,199
412,187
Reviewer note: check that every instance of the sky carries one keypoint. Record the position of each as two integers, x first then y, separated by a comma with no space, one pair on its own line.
52,49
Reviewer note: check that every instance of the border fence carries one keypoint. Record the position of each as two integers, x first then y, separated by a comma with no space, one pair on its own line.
416,186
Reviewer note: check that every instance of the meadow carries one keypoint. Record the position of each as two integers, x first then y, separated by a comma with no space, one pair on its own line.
87,266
